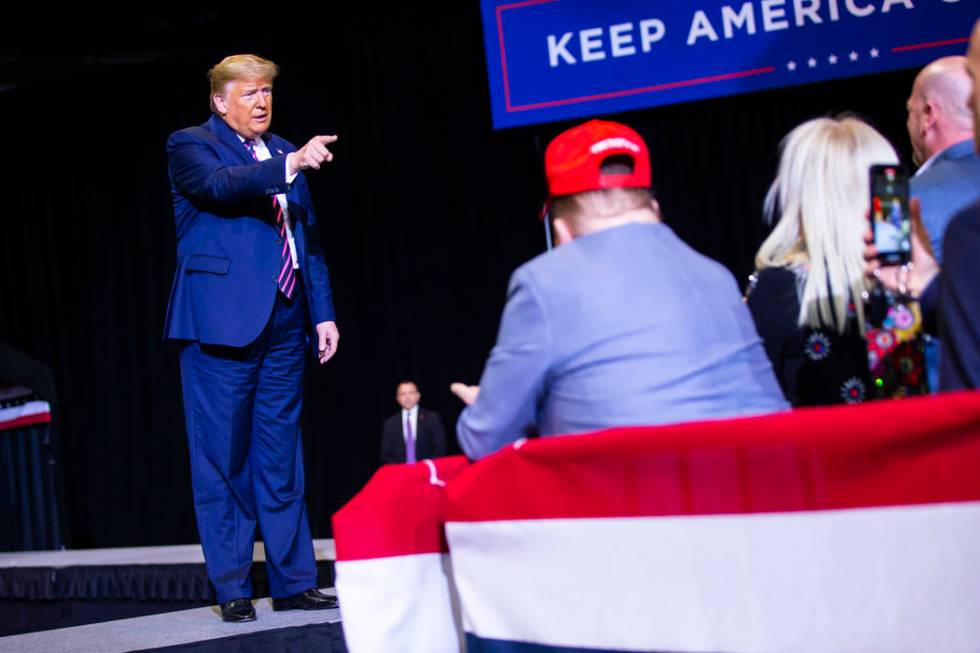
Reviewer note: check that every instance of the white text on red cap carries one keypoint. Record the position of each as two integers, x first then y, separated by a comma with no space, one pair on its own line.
614,142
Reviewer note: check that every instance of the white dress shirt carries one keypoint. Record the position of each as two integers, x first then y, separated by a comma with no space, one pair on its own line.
928,162
262,153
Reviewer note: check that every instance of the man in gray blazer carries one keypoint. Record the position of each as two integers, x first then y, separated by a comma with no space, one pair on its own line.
941,130
622,324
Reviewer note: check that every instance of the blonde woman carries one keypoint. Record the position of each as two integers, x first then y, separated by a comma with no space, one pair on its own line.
806,292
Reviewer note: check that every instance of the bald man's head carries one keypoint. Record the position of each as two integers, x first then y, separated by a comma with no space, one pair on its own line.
938,111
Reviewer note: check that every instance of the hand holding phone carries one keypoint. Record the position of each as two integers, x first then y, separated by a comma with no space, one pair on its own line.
890,220
913,278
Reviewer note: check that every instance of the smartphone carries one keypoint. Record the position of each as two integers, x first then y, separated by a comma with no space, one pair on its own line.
890,220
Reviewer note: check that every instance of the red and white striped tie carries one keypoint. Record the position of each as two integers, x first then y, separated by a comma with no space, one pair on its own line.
287,275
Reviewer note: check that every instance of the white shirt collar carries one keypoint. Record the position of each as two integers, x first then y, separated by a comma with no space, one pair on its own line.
931,160
928,162
259,143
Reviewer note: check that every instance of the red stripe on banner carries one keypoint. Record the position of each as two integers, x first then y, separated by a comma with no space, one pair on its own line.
26,420
931,44
500,39
510,107
666,86
887,453
399,512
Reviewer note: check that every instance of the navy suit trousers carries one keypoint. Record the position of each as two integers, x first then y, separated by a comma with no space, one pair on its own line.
242,406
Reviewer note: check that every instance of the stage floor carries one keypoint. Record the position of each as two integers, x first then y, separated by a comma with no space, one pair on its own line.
145,555
184,628
72,594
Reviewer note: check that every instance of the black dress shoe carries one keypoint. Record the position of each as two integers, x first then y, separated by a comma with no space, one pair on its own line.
238,610
312,599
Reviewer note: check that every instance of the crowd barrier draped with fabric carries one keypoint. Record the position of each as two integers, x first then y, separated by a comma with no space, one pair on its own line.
29,515
392,568
851,528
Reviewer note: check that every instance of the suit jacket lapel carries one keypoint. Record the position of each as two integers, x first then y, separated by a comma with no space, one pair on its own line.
273,144
420,429
401,436
401,447
228,136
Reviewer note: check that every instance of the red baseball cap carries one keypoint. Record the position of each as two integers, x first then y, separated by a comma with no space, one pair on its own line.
574,158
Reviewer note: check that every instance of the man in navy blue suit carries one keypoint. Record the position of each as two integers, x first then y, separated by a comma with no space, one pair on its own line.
251,288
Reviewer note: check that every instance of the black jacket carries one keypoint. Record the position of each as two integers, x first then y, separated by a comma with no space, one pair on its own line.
430,441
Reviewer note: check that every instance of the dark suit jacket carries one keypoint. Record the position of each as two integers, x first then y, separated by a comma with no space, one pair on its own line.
430,441
228,247
955,297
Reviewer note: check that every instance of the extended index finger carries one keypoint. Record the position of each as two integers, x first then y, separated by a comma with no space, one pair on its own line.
326,139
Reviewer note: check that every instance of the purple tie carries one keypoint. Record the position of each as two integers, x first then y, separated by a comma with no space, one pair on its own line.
287,276
409,440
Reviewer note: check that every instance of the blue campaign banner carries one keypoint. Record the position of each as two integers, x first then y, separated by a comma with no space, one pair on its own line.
558,59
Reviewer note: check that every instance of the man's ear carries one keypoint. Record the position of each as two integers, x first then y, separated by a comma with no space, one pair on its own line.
655,206
220,104
563,231
929,114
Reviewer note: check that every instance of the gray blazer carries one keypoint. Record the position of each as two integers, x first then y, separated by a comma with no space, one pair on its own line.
946,187
626,326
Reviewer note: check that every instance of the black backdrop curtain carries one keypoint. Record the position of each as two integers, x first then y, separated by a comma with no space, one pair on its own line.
424,214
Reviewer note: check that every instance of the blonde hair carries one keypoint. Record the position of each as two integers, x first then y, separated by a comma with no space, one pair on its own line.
239,67
821,198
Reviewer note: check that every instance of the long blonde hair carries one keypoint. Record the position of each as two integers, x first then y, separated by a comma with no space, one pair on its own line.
821,198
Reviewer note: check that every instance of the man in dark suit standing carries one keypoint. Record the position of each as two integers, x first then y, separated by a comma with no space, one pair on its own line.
250,290
412,433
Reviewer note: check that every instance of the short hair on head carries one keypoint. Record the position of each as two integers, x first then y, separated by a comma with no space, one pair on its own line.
238,67
407,382
606,202
946,82
819,200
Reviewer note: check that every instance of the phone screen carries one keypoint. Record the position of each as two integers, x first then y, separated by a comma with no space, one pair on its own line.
890,213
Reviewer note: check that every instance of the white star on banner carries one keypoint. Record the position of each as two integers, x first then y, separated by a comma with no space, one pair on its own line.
874,53
811,62
791,66
853,56
832,59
